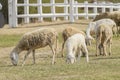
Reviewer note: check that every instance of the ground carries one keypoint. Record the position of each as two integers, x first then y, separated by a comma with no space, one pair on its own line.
99,68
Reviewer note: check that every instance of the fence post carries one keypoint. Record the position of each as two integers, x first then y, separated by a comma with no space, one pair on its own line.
86,9
26,10
95,9
10,8
71,10
0,6
12,13
53,10
66,9
76,10
15,22
103,8
40,10
111,8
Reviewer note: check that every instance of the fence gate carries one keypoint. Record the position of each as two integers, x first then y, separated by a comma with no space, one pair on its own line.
71,10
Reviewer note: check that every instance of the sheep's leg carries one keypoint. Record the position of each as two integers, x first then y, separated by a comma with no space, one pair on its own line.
79,55
98,41
33,56
97,45
86,51
96,48
74,52
117,29
53,51
26,57
84,47
100,49
62,49
110,43
104,49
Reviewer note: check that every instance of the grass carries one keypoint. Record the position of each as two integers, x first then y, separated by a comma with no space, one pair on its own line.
8,40
99,68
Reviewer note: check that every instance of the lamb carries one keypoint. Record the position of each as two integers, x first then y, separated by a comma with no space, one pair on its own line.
92,25
75,43
67,32
103,37
34,40
115,15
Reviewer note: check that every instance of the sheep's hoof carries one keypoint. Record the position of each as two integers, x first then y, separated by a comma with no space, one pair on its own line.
109,54
96,55
62,55
53,63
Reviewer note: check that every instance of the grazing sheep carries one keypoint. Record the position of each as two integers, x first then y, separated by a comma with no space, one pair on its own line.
34,40
103,37
115,15
67,32
92,25
76,43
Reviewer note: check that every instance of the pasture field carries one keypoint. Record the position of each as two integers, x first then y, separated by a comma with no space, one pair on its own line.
99,68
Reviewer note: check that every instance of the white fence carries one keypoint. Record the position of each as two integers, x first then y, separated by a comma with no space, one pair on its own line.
0,6
71,10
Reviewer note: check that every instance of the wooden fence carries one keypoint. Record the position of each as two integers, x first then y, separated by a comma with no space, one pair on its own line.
71,10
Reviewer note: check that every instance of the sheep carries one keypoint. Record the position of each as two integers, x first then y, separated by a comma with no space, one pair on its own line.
103,37
92,25
115,15
34,40
75,43
67,32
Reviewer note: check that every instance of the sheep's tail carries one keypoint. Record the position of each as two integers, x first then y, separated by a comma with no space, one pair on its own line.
101,32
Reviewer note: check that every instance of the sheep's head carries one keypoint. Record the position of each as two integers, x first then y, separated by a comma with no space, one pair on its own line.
88,40
14,58
70,59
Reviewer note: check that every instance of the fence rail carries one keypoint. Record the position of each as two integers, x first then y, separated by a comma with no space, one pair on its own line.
71,10
0,6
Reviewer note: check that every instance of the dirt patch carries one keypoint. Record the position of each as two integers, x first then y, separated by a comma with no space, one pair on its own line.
59,26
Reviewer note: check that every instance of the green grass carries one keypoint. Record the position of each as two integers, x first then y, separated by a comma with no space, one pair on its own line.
99,68
8,40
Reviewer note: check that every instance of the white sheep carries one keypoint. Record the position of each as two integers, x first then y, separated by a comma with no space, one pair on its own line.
92,25
114,15
103,37
34,40
67,32
76,43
